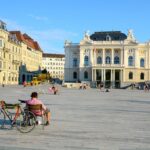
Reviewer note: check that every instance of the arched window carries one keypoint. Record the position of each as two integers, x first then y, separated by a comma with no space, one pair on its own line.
75,61
142,76
116,60
130,75
107,60
74,75
86,60
85,75
108,38
130,61
141,62
99,60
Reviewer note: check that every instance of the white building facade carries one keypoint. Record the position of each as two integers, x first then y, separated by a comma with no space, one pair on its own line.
110,57
54,64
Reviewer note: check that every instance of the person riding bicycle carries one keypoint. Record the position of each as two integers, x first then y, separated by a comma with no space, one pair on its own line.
33,101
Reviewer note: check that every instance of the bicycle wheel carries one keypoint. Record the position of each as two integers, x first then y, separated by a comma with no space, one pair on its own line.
2,119
26,122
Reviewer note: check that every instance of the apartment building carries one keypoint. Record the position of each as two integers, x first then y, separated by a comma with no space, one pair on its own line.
31,56
20,56
10,56
54,64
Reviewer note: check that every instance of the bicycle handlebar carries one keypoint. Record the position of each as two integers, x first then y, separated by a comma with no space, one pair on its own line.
22,101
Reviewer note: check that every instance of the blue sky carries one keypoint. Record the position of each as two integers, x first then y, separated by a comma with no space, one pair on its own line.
51,22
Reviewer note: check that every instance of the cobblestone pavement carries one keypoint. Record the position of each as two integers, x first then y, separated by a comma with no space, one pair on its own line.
83,120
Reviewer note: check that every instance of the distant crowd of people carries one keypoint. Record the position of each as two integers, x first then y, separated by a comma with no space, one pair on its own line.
83,86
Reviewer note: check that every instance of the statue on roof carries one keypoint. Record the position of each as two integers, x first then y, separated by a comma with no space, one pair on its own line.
86,35
130,36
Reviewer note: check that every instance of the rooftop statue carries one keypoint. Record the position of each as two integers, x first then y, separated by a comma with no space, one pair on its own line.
86,35
130,36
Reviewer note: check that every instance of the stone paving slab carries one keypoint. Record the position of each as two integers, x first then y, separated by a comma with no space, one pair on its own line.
84,120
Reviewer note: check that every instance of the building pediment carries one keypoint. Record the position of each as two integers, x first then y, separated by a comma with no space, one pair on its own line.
86,39
86,42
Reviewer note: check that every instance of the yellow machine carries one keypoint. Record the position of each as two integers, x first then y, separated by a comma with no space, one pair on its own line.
40,78
35,81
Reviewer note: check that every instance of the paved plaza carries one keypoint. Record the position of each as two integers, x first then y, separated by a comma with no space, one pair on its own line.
83,120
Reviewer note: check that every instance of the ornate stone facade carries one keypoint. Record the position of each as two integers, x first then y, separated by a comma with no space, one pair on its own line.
112,57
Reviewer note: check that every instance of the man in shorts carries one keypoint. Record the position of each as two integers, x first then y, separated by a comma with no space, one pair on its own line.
33,101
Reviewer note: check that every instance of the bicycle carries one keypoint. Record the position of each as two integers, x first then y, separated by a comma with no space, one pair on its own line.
24,120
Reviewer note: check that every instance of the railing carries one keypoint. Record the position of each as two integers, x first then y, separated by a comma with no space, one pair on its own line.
6,49
16,61
108,42
108,65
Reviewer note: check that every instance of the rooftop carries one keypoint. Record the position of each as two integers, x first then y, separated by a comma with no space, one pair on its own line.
53,55
27,40
108,36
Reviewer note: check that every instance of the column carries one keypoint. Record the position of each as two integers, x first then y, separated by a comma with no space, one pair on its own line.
112,56
135,58
94,56
146,60
121,57
123,72
95,74
92,74
102,76
121,77
111,78
91,57
114,78
103,57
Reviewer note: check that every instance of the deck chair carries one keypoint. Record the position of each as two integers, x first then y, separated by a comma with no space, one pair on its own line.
37,107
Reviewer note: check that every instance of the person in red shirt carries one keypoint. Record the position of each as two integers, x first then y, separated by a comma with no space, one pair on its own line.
33,101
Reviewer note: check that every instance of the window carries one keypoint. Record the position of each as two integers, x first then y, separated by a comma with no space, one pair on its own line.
4,78
85,75
75,75
0,64
4,55
1,43
130,61
75,62
142,76
116,60
99,60
107,60
108,38
9,78
130,75
141,62
86,60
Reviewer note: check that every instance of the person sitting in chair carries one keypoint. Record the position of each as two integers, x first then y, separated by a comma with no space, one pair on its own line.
33,101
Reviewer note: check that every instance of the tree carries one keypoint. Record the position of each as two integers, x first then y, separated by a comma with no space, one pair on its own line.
44,71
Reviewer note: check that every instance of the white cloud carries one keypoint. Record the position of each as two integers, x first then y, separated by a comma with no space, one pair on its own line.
12,25
39,18
51,40
54,34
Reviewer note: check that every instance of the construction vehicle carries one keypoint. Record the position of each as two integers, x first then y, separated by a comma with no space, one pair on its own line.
35,81
40,78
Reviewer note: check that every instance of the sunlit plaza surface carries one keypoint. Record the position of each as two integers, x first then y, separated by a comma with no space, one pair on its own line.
83,120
